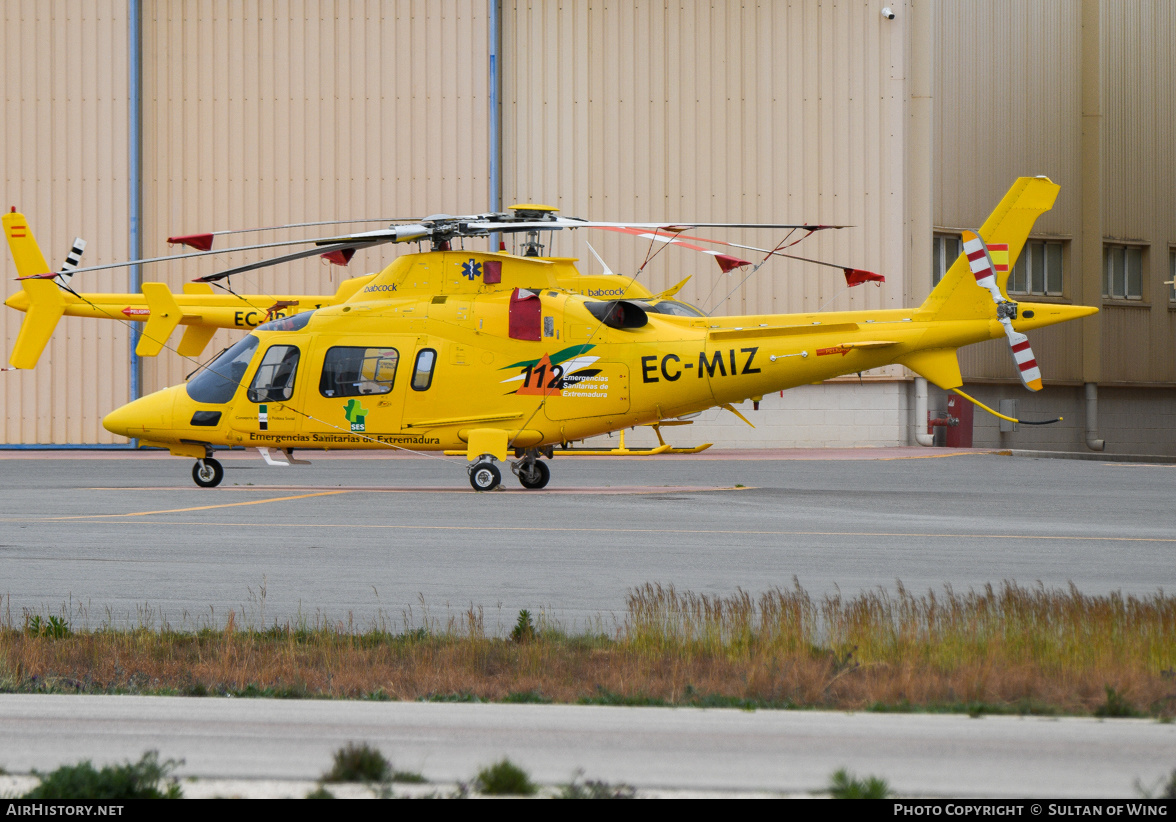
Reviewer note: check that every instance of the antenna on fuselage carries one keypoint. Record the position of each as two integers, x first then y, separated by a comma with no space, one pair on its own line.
599,259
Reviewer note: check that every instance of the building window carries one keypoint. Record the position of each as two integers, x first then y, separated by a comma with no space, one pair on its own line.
1122,272
1038,270
1172,275
945,248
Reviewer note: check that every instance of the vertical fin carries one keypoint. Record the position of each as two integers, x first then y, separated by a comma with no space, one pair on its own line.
45,302
165,316
1010,222
23,245
46,305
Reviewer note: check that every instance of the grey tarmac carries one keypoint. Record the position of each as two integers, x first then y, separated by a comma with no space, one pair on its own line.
125,539
679,749
393,540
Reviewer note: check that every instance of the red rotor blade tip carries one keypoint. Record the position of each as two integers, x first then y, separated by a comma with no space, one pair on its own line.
856,276
200,242
727,262
341,256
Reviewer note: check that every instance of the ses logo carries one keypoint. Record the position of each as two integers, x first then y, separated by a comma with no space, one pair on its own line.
605,292
356,415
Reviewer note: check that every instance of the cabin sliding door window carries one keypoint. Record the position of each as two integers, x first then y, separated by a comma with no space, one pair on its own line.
274,380
349,371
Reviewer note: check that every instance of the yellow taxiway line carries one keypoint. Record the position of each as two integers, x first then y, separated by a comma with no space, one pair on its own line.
99,517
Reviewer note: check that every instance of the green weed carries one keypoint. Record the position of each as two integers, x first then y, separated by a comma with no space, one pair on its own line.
1161,790
138,780
526,698
504,778
1116,706
844,785
51,627
524,629
408,777
359,763
595,789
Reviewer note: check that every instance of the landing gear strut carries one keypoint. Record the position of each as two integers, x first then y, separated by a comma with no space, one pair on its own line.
532,473
208,472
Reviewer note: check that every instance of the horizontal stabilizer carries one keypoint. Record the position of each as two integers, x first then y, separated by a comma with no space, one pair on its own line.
195,339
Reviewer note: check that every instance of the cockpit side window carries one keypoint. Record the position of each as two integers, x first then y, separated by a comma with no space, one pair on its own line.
218,382
274,380
349,371
422,373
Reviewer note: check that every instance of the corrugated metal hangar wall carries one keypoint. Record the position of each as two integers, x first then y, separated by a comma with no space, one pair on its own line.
262,113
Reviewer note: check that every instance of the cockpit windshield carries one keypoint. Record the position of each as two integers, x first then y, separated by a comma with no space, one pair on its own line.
218,382
294,323
672,308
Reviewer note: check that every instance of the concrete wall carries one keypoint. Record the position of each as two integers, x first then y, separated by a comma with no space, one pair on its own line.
1131,420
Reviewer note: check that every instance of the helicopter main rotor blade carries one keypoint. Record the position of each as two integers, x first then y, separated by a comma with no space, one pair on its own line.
285,258
146,260
572,222
203,240
395,234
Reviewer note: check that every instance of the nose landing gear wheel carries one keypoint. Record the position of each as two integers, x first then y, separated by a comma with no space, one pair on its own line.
535,475
484,476
208,473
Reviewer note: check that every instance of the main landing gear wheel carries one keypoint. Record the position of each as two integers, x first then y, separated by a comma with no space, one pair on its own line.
535,475
208,473
485,476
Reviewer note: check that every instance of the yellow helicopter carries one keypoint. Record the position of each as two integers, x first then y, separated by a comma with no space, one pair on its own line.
502,357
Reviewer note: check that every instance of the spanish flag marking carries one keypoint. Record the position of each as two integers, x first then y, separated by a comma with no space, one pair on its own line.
1000,256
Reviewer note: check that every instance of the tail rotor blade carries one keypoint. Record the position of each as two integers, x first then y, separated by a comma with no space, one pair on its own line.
72,260
1023,356
980,262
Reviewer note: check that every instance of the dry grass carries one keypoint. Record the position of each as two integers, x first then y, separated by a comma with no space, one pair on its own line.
1006,649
